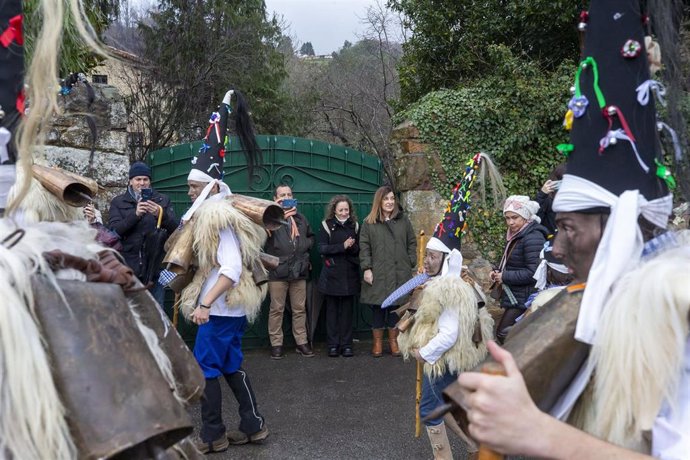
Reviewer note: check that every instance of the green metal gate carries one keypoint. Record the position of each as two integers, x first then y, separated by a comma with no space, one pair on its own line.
315,170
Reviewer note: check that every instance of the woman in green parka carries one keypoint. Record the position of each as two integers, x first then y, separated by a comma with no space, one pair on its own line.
387,256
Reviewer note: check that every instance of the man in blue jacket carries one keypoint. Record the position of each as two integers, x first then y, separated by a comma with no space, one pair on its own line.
133,216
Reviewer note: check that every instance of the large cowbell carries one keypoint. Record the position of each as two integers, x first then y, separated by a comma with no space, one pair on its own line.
116,398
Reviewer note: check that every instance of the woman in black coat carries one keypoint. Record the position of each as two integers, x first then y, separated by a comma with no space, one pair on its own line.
339,281
525,240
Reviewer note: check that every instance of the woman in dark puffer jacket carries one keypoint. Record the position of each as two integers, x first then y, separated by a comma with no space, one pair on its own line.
525,240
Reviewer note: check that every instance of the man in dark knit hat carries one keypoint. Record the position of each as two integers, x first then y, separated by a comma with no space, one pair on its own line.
135,213
631,396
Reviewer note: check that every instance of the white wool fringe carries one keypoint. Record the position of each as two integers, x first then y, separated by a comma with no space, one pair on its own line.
440,293
210,219
157,352
32,419
639,349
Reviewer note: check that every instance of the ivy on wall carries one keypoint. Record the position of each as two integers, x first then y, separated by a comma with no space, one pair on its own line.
514,114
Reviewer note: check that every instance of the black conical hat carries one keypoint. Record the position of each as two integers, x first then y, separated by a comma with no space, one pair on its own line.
211,156
451,227
613,66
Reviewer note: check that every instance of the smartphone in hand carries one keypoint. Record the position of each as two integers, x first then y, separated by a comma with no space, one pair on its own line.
146,194
288,203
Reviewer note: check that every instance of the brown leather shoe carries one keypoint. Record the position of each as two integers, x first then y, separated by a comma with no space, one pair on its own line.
277,352
305,350
237,438
219,445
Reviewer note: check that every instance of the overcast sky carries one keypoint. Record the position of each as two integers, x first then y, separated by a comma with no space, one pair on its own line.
324,23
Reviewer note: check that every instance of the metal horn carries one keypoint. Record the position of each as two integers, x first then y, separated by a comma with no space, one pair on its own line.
262,212
73,189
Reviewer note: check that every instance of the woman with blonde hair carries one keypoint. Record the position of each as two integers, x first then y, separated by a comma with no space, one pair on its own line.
339,280
387,255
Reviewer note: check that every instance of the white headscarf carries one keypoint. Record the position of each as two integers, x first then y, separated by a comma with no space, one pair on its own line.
200,176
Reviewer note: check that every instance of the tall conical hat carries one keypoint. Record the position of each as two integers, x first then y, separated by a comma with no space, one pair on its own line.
613,163
448,232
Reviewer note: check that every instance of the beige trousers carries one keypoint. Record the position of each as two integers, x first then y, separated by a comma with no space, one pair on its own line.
278,291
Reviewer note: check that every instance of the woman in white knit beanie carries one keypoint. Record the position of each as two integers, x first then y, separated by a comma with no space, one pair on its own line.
513,277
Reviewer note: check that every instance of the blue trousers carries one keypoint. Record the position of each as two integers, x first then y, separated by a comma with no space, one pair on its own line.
218,346
218,350
432,395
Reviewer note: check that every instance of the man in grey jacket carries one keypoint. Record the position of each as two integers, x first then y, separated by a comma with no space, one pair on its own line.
291,243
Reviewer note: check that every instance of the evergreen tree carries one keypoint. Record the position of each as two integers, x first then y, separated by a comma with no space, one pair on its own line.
198,50
307,49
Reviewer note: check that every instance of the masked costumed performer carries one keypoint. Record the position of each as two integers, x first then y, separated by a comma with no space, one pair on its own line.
450,328
222,298
631,397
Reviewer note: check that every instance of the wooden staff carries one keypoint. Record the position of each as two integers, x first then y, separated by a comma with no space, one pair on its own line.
421,248
484,452
176,310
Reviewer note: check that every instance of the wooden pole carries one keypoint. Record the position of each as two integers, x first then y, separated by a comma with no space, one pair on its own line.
484,452
418,401
176,310
421,249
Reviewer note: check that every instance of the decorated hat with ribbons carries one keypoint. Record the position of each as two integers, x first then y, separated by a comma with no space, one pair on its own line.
614,142
207,164
614,158
448,232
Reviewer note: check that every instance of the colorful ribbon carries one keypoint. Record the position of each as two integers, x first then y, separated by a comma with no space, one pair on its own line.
589,61
609,112
664,174
612,137
568,120
674,137
651,85
13,33
565,149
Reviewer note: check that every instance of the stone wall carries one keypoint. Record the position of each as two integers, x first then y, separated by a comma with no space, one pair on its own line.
68,141
413,163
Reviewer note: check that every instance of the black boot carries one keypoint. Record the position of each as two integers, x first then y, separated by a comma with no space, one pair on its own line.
251,421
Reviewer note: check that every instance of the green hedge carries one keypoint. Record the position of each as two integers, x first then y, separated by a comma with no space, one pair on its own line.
514,114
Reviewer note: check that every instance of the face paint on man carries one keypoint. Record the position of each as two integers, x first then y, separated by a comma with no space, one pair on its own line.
577,241
433,262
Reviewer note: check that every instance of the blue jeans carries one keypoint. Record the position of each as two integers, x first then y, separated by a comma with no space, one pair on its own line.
432,397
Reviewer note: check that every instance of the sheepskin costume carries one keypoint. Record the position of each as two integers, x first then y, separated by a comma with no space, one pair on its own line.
641,341
33,422
212,217
441,293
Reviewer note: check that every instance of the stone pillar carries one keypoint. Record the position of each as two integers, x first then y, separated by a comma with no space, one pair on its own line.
413,163
68,141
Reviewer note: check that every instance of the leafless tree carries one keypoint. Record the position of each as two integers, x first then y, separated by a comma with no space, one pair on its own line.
354,93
